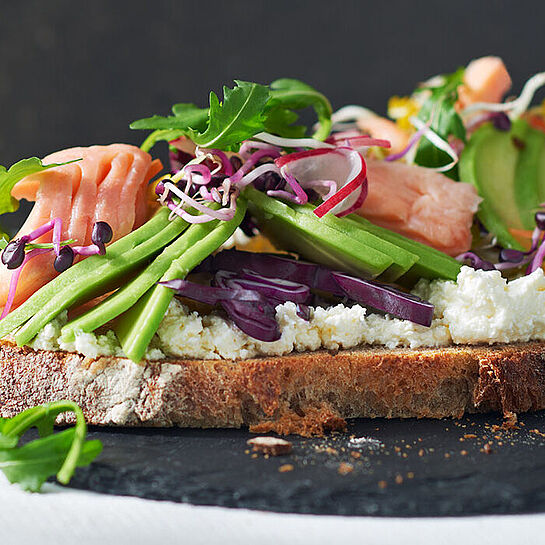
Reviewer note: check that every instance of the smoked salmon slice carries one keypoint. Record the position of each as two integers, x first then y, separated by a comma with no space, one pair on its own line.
107,183
485,80
421,204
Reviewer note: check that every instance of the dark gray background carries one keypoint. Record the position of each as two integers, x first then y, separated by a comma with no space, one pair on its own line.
74,73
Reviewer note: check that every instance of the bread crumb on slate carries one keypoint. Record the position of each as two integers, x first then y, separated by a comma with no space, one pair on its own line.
382,484
355,454
270,446
487,448
509,420
345,469
285,468
410,475
399,479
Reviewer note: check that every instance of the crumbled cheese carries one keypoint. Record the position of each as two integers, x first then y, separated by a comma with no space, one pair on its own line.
481,307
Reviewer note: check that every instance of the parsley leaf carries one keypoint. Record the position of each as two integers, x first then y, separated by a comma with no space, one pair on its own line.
291,94
8,179
445,120
239,117
52,454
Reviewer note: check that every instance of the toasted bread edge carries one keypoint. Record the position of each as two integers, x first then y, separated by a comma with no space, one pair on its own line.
306,393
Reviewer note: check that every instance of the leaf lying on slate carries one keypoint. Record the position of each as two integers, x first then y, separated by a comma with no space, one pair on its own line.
57,454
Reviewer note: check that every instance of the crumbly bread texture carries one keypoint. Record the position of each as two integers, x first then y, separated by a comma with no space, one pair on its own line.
308,393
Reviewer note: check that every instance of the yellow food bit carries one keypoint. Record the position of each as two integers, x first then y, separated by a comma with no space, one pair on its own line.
151,188
401,109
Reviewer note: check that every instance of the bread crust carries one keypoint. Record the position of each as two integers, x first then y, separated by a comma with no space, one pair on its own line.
307,393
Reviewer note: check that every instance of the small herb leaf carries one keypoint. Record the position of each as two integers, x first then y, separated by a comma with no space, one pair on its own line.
445,121
8,179
33,463
292,94
239,117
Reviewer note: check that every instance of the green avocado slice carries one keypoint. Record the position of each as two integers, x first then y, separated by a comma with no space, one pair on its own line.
489,162
431,263
527,179
541,177
403,258
313,239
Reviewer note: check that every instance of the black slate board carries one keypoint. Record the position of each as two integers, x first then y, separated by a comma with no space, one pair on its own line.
401,468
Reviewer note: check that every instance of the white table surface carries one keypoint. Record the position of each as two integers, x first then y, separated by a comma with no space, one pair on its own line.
62,516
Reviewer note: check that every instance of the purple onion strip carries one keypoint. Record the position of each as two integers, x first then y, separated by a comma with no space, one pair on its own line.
226,164
300,196
537,261
415,138
269,152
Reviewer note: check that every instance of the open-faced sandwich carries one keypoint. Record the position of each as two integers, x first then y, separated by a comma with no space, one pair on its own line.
283,278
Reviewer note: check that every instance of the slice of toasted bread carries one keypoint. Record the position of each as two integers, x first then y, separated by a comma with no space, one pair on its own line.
306,393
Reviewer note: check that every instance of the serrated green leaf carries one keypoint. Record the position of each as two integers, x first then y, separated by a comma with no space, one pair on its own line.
247,109
239,117
8,179
292,94
186,116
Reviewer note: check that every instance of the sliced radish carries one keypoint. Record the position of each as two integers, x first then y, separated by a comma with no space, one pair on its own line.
345,166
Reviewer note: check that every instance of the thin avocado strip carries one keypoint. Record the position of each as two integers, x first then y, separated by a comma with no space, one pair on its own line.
156,229
314,239
91,277
541,177
130,293
489,163
431,264
526,174
403,258
138,325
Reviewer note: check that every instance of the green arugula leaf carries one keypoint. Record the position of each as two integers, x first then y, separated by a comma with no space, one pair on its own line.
445,121
161,135
8,179
247,109
185,118
291,94
239,117
32,464
280,121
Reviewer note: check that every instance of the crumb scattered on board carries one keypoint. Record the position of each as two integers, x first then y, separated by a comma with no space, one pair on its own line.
349,454
271,446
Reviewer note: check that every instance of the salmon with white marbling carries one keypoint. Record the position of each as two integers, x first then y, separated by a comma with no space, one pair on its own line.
421,204
107,183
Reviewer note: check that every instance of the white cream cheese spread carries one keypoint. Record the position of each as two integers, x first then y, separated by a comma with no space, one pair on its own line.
481,307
